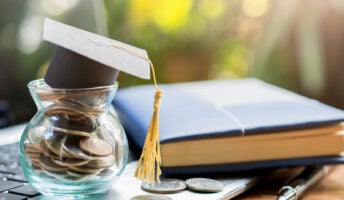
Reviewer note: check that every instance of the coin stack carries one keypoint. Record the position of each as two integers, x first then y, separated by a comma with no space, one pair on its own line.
72,148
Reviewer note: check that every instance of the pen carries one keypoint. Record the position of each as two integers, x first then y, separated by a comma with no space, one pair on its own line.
297,186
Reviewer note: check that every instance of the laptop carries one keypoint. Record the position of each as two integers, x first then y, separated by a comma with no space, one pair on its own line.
13,185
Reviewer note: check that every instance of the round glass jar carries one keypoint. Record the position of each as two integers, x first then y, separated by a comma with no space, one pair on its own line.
74,144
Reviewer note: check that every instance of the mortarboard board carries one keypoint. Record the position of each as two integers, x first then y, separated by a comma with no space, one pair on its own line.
83,59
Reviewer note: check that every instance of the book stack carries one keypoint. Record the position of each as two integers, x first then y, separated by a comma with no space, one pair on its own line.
234,125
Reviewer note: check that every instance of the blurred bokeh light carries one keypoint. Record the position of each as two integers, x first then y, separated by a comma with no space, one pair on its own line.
296,44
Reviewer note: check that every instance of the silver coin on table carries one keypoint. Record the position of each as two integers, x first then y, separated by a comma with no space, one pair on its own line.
150,197
204,185
166,186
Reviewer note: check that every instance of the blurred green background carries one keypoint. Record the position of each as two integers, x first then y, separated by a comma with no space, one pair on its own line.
296,44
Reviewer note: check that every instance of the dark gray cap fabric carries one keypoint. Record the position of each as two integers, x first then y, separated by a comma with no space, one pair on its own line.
83,59
71,70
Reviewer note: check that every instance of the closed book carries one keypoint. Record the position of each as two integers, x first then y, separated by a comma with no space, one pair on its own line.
233,125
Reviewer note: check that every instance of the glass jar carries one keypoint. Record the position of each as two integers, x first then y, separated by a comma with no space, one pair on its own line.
74,144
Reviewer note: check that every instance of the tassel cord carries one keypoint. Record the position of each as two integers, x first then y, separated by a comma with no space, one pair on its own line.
148,168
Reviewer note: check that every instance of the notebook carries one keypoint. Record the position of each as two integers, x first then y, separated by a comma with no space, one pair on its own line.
233,125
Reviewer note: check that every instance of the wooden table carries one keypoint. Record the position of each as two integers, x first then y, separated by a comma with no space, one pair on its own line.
329,188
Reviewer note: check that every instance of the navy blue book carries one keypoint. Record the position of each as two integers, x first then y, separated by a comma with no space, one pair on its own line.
233,125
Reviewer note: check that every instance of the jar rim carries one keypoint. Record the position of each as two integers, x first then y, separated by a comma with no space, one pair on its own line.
39,84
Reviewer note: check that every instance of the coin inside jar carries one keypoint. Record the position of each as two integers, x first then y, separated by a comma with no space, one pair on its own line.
46,152
166,186
70,162
29,147
55,145
204,185
48,164
102,162
70,119
86,170
63,131
35,136
95,146
81,105
71,146
79,175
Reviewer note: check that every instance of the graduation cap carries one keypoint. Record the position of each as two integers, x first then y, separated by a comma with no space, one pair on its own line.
83,59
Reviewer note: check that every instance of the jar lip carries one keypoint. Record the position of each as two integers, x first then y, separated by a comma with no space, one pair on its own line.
39,84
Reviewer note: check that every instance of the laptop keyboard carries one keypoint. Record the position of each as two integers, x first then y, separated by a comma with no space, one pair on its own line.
13,185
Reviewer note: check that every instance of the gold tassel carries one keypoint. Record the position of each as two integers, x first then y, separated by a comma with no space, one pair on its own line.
148,167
